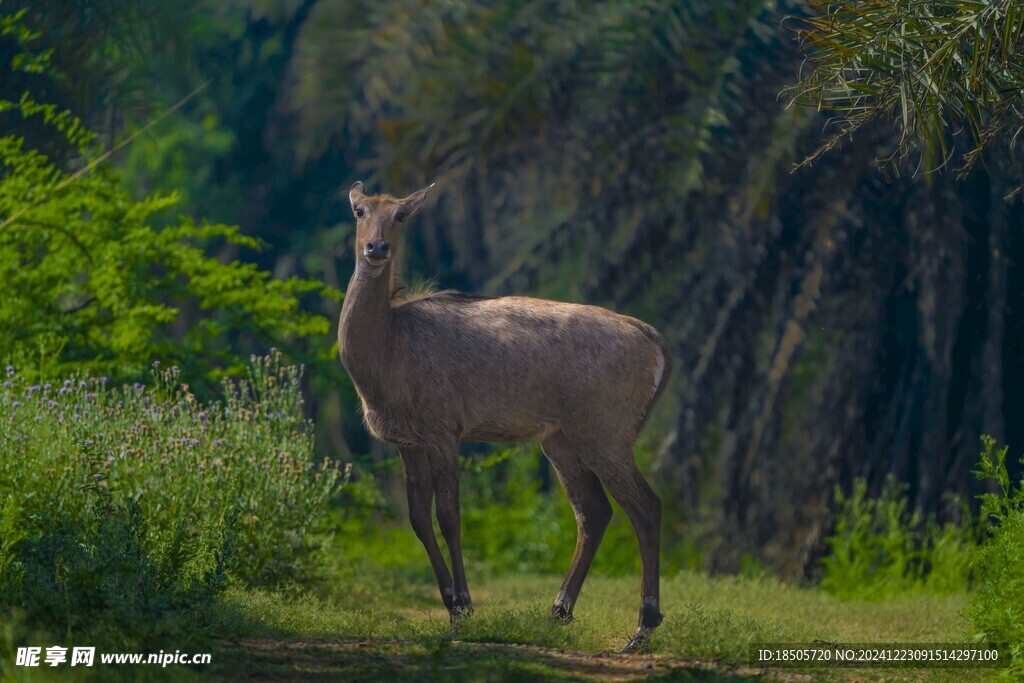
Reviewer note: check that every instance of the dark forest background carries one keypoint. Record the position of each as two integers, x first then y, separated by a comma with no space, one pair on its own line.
840,321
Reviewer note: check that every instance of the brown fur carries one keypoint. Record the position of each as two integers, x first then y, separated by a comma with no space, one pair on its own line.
443,368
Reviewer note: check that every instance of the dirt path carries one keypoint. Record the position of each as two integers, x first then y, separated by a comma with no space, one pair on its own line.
279,660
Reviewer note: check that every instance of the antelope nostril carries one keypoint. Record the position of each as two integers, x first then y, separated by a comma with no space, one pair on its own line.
376,248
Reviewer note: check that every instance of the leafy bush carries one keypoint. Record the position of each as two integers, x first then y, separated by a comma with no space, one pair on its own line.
93,282
880,549
121,504
998,607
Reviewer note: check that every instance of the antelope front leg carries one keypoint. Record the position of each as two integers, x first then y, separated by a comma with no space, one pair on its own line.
445,469
419,489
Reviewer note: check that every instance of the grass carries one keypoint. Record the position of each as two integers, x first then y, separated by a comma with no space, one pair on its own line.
384,621
387,623
705,616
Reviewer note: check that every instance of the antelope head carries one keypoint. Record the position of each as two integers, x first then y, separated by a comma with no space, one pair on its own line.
379,221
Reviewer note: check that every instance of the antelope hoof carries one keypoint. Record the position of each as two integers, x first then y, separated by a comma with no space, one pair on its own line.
562,613
462,604
457,616
459,611
639,641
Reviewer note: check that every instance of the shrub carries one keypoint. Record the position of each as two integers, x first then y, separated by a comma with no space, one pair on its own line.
92,278
997,610
880,549
121,504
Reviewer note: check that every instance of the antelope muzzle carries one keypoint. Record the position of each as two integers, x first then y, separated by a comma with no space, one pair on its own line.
377,252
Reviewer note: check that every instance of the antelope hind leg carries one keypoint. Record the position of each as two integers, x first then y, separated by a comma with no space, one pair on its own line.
643,507
593,513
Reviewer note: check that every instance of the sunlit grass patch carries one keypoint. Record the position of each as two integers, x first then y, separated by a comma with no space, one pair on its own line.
705,616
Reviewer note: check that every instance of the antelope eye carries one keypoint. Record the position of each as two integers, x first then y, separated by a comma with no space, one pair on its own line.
400,216
359,213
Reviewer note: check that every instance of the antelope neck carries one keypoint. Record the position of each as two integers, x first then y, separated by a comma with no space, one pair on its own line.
366,313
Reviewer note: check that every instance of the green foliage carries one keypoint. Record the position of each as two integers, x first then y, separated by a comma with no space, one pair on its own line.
934,66
93,284
998,607
879,549
510,526
124,504
99,578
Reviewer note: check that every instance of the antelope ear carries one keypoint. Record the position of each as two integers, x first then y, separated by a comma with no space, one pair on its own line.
414,202
356,192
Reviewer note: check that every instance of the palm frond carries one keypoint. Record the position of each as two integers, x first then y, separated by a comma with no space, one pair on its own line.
942,70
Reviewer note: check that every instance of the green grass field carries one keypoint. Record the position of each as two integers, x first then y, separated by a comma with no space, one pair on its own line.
386,623
378,621
403,633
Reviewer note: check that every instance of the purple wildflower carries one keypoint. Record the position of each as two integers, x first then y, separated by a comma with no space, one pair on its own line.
10,370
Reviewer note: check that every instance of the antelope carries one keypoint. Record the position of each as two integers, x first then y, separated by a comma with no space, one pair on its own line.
444,368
